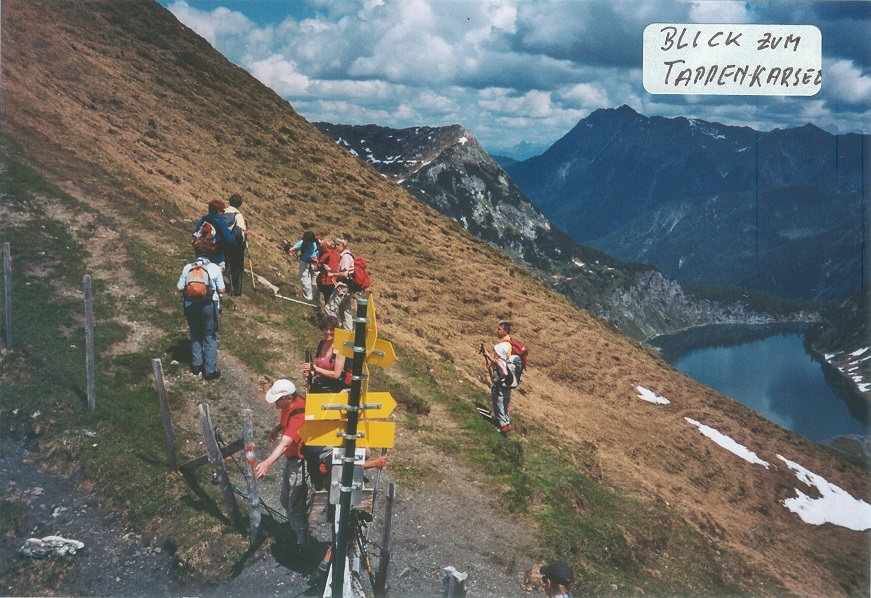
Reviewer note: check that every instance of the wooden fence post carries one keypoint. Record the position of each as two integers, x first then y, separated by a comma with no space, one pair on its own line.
253,491
380,588
216,458
453,583
7,286
165,415
89,341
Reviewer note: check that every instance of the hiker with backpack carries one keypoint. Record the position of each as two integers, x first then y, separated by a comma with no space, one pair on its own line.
202,284
211,237
328,371
235,251
307,251
327,265
351,278
504,368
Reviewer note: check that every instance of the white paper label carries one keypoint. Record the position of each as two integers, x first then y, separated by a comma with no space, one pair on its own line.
741,59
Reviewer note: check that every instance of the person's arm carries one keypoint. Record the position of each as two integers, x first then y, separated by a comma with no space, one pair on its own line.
335,373
179,286
262,468
379,462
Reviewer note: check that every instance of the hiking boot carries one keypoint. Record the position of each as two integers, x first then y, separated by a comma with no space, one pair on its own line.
196,370
318,579
212,375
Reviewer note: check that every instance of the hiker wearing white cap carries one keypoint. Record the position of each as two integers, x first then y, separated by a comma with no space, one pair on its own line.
294,495
497,364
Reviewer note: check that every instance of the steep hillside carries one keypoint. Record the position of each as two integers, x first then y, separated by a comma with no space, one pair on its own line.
131,123
710,204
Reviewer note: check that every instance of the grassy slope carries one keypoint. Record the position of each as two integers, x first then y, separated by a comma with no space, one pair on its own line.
135,123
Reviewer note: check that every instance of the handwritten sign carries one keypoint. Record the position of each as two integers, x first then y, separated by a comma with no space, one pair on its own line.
740,59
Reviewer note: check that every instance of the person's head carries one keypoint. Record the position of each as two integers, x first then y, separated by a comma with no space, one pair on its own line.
557,577
308,238
503,328
341,244
281,392
216,206
328,325
235,200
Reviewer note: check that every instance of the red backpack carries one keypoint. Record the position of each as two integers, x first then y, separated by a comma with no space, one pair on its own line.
518,349
205,241
361,280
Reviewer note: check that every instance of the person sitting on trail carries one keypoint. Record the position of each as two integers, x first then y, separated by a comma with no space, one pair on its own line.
202,285
235,252
500,377
341,302
221,236
295,485
327,265
307,252
557,577
327,372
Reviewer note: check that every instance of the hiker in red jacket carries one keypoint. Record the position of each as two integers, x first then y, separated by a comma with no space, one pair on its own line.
327,266
295,485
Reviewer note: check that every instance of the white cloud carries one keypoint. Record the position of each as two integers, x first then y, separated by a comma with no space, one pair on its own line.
508,70
846,82
587,95
719,11
281,75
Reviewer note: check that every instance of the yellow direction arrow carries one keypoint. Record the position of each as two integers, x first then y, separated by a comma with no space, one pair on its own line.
374,434
382,355
343,340
315,403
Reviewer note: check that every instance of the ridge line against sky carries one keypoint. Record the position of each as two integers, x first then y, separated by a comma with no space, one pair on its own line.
515,73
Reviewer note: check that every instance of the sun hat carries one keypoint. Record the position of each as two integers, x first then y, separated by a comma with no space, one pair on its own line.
558,572
502,349
281,388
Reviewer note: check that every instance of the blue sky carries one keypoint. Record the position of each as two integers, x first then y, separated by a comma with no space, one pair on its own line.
515,71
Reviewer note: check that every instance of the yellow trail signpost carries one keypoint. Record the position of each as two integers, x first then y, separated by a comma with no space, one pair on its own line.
351,419
332,433
329,406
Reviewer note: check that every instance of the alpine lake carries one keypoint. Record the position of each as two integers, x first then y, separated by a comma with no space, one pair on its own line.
770,370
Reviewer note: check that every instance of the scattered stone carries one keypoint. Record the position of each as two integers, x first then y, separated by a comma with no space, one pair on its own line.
41,548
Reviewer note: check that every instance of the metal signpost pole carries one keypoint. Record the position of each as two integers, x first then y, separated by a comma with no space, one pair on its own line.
350,444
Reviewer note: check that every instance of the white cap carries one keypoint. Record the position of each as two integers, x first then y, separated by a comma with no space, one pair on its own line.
281,388
502,349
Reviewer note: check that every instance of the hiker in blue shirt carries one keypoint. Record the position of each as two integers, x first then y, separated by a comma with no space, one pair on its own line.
215,247
307,251
202,285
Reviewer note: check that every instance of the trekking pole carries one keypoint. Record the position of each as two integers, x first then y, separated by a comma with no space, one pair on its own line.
375,485
250,265
487,362
308,379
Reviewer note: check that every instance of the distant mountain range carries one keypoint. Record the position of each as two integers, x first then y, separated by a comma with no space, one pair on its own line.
709,204
448,169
